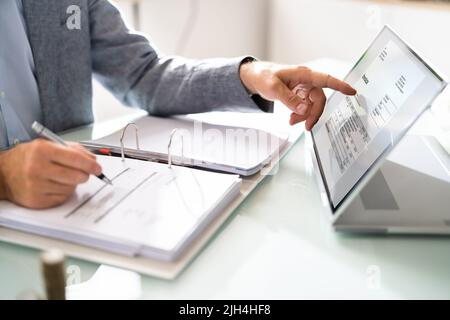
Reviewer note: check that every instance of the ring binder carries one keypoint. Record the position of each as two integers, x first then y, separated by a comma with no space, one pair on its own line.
122,147
169,147
155,134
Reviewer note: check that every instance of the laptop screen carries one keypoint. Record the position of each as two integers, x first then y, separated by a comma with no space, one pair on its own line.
394,87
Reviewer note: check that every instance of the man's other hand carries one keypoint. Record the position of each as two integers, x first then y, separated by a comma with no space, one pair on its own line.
297,87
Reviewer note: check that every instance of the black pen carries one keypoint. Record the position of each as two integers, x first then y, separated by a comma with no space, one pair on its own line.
49,135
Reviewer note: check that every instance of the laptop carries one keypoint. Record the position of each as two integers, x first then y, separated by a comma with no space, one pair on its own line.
361,189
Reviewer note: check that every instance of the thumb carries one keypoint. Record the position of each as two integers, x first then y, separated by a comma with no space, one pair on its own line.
288,97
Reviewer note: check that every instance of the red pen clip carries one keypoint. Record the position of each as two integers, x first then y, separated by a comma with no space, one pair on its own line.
104,151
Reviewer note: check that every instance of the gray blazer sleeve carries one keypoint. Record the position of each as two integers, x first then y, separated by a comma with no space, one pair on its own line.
131,68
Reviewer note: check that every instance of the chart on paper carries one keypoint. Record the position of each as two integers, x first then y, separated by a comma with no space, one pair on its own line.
98,205
151,209
137,196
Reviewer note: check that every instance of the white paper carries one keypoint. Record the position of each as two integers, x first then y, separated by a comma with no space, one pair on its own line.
149,206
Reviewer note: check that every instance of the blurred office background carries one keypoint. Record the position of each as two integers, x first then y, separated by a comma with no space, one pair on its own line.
285,31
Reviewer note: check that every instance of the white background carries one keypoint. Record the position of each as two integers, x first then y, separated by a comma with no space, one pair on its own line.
287,31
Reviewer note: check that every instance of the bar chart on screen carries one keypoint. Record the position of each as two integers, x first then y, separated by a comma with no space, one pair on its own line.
357,120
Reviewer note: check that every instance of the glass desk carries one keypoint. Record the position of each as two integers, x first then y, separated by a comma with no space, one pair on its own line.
277,245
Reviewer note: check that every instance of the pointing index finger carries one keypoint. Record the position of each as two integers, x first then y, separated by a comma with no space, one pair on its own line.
324,80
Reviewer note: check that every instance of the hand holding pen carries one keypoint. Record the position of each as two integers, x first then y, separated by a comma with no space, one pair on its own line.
42,174
49,135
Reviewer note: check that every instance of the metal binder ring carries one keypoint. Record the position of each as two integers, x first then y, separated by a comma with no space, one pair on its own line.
122,147
169,147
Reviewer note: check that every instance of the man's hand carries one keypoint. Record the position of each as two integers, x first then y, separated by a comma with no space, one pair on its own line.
42,174
299,88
